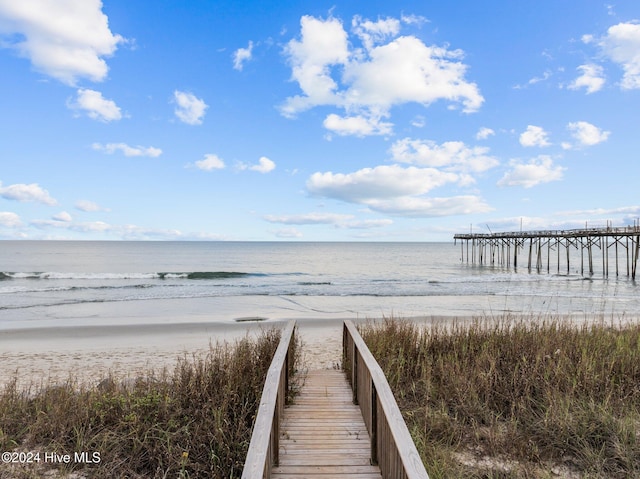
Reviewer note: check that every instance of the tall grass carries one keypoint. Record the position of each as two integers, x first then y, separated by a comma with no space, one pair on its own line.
192,422
516,398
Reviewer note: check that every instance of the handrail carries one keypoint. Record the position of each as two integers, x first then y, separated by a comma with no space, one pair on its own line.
392,447
264,445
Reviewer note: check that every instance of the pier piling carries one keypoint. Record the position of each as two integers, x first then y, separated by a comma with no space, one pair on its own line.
497,248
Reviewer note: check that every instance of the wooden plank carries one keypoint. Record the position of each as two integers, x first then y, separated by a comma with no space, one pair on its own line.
336,471
298,435
324,445
321,475
321,453
322,434
335,459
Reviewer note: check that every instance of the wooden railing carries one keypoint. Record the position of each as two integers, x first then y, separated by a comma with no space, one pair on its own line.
392,448
264,446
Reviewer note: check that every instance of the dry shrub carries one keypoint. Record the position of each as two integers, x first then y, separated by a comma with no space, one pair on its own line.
516,398
194,421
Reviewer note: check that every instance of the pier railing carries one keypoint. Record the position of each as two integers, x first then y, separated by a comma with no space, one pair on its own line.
264,446
392,447
604,231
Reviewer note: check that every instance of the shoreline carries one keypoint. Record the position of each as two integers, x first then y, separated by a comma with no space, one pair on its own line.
88,354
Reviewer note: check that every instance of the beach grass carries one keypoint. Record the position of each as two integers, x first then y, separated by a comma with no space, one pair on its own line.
516,398
192,422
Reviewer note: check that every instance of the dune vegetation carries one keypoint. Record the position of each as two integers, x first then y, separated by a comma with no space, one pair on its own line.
192,422
507,398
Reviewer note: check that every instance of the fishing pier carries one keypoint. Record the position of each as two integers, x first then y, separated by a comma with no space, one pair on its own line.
618,248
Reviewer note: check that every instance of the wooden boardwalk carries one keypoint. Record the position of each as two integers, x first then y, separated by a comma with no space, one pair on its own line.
322,434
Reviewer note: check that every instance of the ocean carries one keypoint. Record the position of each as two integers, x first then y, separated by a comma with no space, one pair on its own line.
66,283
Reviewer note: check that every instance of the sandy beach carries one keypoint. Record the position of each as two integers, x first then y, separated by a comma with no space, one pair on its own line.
89,354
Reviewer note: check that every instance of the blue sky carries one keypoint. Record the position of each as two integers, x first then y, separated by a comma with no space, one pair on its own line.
389,121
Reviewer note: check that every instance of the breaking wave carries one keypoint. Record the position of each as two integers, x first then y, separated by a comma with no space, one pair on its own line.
193,275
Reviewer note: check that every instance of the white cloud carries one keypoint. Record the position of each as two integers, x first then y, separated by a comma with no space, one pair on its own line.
337,220
309,219
322,44
367,224
9,219
89,206
402,191
368,82
484,133
587,134
621,45
210,163
372,33
96,106
379,182
127,150
534,136
419,121
128,231
27,193
265,165
592,78
532,81
626,210
242,55
288,233
357,125
597,217
412,19
454,155
527,223
189,109
406,70
431,207
545,76
536,171
65,39
63,216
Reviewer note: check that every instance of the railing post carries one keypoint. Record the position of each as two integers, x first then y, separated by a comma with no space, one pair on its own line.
374,424
275,431
344,346
286,376
354,374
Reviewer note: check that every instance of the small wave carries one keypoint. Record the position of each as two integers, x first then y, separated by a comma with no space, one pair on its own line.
193,275
56,289
314,283
218,275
